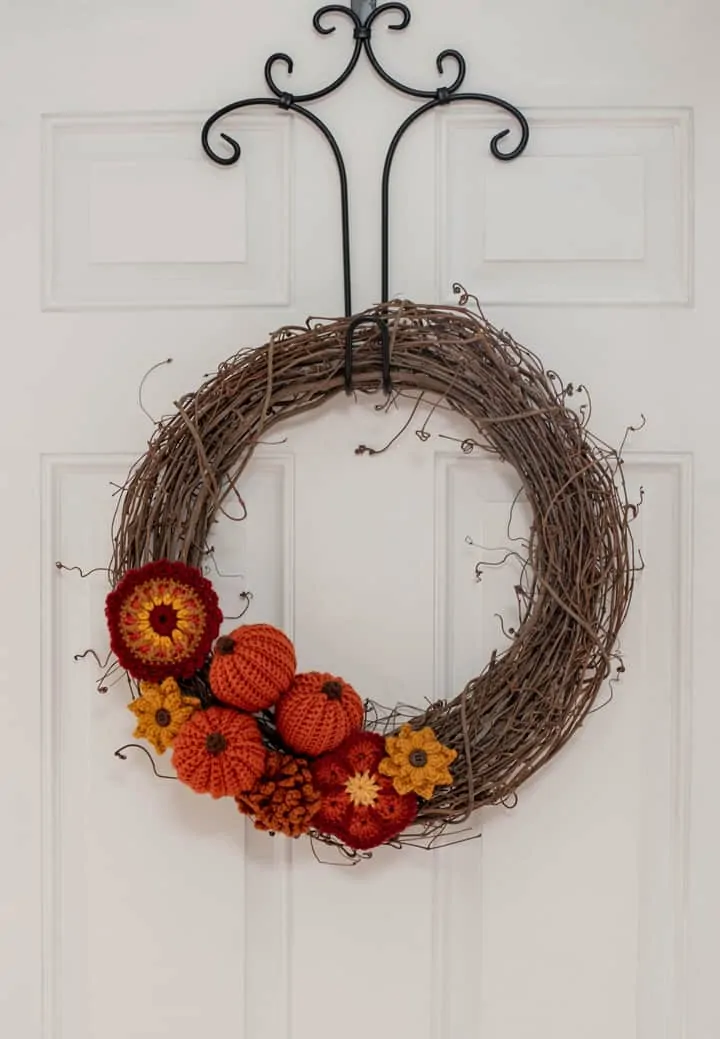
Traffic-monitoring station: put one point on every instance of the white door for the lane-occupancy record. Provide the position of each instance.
(131, 907)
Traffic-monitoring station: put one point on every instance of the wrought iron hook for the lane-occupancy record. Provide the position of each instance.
(369, 319)
(363, 15)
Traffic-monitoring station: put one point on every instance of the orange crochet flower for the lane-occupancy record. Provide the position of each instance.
(417, 762)
(284, 799)
(161, 711)
(219, 752)
(359, 805)
(162, 619)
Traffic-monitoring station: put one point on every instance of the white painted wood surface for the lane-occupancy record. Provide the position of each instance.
(131, 907)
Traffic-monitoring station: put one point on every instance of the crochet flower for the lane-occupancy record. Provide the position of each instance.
(219, 752)
(359, 805)
(284, 799)
(417, 762)
(161, 710)
(163, 619)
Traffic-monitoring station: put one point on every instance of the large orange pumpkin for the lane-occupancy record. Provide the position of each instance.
(317, 713)
(252, 666)
(219, 752)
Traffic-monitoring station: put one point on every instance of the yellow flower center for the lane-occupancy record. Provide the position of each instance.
(362, 789)
(163, 621)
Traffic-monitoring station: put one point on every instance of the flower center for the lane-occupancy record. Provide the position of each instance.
(163, 718)
(215, 743)
(362, 789)
(418, 758)
(163, 619)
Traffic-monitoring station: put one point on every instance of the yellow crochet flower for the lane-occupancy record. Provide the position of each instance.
(161, 711)
(417, 762)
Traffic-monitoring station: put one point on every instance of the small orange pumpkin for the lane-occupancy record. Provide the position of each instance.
(252, 666)
(317, 713)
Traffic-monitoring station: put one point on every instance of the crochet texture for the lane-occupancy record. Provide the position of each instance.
(219, 752)
(252, 666)
(317, 713)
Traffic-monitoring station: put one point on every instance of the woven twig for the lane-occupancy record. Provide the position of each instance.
(576, 587)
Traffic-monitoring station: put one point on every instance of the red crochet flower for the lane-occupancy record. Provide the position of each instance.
(163, 619)
(359, 806)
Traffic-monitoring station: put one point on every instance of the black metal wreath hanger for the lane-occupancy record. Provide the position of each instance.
(363, 15)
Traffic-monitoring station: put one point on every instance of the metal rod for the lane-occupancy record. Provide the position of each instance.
(400, 133)
(229, 160)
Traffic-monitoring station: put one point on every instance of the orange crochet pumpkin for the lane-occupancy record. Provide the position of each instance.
(252, 666)
(317, 713)
(219, 752)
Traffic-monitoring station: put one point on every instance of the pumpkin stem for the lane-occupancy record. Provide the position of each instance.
(225, 645)
(215, 743)
(333, 690)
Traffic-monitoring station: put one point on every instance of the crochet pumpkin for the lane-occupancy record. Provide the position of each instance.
(252, 666)
(219, 752)
(317, 713)
(284, 799)
(360, 806)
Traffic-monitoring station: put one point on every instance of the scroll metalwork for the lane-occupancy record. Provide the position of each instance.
(432, 98)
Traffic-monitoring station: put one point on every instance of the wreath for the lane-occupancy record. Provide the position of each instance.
(304, 753)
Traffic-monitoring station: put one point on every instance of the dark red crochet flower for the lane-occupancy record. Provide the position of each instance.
(163, 619)
(359, 806)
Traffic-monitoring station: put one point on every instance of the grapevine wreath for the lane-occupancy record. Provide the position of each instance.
(305, 753)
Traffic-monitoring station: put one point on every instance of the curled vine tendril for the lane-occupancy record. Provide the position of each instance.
(120, 753)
